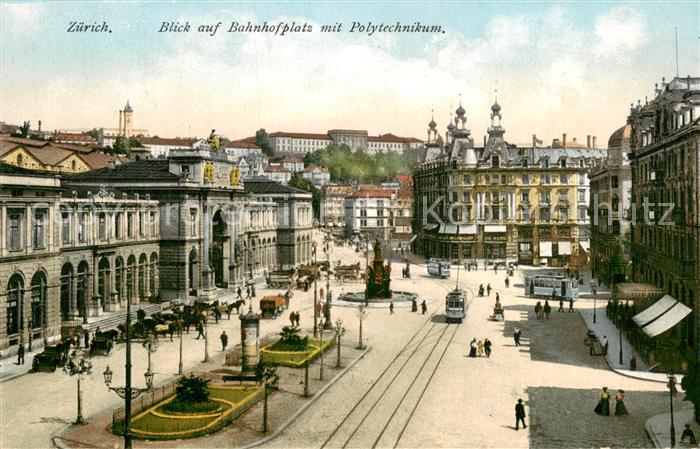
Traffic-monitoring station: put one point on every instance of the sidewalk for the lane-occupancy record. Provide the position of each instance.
(604, 327)
(659, 427)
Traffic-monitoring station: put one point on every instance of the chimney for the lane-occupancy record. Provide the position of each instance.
(588, 141)
(594, 144)
(555, 143)
(39, 130)
(563, 140)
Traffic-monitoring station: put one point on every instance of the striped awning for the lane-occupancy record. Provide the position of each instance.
(662, 316)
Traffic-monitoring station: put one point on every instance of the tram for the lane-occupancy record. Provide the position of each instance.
(548, 286)
(439, 268)
(456, 306)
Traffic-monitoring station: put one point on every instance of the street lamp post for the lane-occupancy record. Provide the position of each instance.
(78, 365)
(361, 314)
(672, 391)
(339, 332)
(328, 325)
(594, 307)
(620, 333)
(206, 338)
(179, 365)
(313, 247)
(128, 392)
(321, 371)
(151, 346)
(271, 379)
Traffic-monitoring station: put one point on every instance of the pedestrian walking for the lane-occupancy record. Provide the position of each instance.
(481, 289)
(561, 306)
(423, 307)
(603, 407)
(292, 318)
(247, 292)
(538, 310)
(472, 348)
(20, 354)
(507, 282)
(224, 341)
(297, 318)
(547, 308)
(571, 305)
(605, 344)
(620, 408)
(487, 348)
(252, 291)
(488, 289)
(200, 331)
(480, 349)
(520, 414)
(516, 336)
(495, 268)
(238, 291)
(391, 308)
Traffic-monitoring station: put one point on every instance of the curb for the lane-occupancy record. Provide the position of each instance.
(303, 408)
(616, 370)
(651, 435)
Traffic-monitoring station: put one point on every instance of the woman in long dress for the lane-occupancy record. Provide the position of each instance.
(472, 348)
(603, 407)
(480, 349)
(620, 409)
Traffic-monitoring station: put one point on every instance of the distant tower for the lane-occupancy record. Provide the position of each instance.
(125, 121)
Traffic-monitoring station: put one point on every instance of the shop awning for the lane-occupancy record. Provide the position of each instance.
(430, 226)
(564, 248)
(585, 244)
(662, 316)
(492, 229)
(450, 229)
(655, 310)
(469, 229)
(545, 249)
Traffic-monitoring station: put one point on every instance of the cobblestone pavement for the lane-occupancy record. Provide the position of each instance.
(468, 402)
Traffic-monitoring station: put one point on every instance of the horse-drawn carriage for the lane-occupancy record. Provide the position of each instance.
(272, 305)
(347, 272)
(101, 343)
(51, 357)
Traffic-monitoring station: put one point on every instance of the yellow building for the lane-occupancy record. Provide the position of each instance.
(501, 202)
(48, 156)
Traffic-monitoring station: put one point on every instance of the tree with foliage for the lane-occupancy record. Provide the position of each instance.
(24, 129)
(192, 389)
(299, 182)
(94, 133)
(290, 339)
(262, 141)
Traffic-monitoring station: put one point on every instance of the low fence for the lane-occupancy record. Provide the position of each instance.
(153, 396)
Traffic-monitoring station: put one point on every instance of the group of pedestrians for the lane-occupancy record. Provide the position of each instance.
(294, 318)
(543, 312)
(488, 289)
(603, 407)
(479, 348)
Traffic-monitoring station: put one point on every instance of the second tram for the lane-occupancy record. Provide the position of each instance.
(547, 286)
(456, 306)
(439, 268)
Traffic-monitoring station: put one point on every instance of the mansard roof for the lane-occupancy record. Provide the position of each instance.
(145, 170)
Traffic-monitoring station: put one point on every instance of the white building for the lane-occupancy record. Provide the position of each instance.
(243, 147)
(298, 142)
(369, 211)
(357, 140)
(160, 147)
(386, 143)
(277, 173)
(319, 176)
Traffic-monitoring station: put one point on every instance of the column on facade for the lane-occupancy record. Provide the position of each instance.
(206, 242)
(112, 290)
(147, 278)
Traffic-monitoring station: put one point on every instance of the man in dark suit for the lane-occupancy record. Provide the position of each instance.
(520, 414)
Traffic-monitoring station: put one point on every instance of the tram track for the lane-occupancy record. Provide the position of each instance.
(369, 403)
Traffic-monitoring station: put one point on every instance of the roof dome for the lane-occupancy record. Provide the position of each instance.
(620, 137)
(460, 110)
(496, 108)
(127, 108)
(450, 127)
(432, 124)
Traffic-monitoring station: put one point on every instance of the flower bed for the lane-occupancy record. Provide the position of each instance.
(277, 353)
(159, 423)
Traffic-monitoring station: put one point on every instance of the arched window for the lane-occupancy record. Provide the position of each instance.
(119, 278)
(67, 291)
(38, 315)
(152, 273)
(15, 291)
(103, 288)
(81, 288)
(130, 268)
(143, 261)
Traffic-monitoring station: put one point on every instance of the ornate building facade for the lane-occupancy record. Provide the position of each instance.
(665, 161)
(501, 201)
(611, 197)
(177, 229)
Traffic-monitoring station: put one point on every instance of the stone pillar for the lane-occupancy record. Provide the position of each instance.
(73, 311)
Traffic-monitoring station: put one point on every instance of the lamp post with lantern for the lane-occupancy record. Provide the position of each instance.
(128, 392)
(672, 391)
(327, 249)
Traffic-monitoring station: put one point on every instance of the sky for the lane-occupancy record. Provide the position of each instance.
(555, 67)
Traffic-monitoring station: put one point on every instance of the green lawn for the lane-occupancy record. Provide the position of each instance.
(160, 424)
(273, 355)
